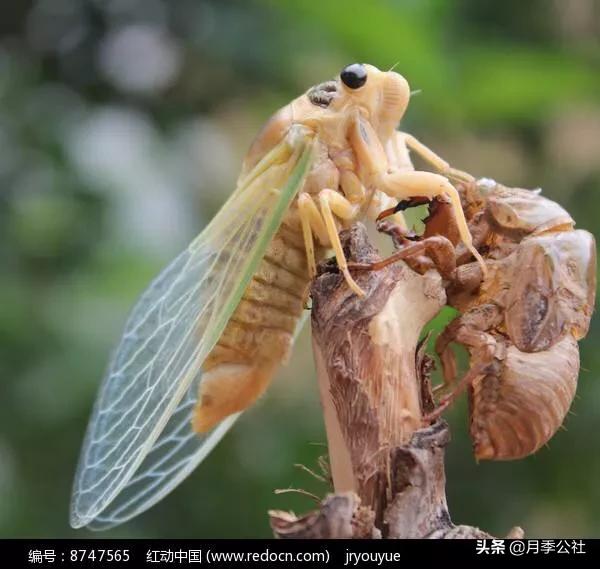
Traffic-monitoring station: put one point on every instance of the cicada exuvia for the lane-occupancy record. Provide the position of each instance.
(520, 321)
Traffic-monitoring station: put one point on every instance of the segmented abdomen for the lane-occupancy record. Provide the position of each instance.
(263, 324)
(517, 411)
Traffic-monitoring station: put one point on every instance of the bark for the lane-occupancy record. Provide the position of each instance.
(387, 468)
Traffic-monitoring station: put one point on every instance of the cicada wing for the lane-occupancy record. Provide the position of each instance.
(173, 327)
(174, 455)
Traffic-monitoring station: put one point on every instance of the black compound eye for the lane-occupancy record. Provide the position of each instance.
(354, 76)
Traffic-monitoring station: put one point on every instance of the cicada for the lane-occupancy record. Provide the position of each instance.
(520, 322)
(205, 338)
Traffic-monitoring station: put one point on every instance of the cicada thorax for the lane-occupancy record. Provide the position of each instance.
(271, 134)
(517, 409)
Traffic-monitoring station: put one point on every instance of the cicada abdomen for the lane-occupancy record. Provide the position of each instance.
(517, 410)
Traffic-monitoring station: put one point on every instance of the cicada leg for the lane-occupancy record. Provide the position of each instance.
(400, 236)
(470, 330)
(438, 249)
(435, 160)
(383, 206)
(405, 184)
(481, 367)
(322, 223)
(403, 206)
(312, 222)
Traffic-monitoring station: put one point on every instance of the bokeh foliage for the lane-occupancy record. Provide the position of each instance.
(122, 125)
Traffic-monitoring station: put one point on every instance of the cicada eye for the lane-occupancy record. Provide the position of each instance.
(354, 76)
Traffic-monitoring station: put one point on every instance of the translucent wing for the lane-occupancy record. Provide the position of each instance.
(175, 454)
(139, 441)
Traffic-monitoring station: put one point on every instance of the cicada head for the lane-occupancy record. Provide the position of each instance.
(516, 411)
(380, 96)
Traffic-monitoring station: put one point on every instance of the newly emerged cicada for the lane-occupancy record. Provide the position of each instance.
(204, 340)
(520, 322)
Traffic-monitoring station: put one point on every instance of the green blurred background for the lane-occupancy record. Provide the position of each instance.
(122, 127)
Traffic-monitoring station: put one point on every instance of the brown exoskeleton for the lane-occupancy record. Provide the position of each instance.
(520, 322)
